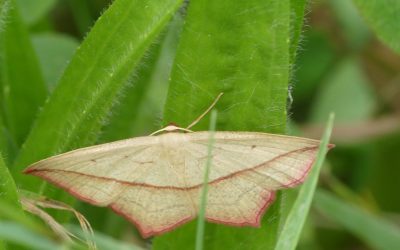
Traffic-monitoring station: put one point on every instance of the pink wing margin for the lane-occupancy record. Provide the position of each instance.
(258, 195)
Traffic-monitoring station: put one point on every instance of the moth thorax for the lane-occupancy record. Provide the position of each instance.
(173, 139)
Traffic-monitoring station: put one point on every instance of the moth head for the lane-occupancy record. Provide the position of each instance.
(171, 128)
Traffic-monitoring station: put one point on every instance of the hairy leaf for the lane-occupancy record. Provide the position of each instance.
(241, 49)
(101, 66)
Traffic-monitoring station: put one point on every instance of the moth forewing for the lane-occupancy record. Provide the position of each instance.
(155, 181)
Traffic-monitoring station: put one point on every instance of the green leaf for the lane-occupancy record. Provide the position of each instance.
(8, 189)
(316, 48)
(138, 110)
(125, 114)
(5, 138)
(19, 235)
(104, 241)
(376, 231)
(297, 8)
(240, 48)
(99, 70)
(351, 24)
(82, 16)
(212, 58)
(54, 51)
(381, 173)
(8, 192)
(10, 208)
(143, 100)
(13, 212)
(20, 71)
(337, 95)
(290, 233)
(384, 19)
(4, 8)
(5, 141)
(32, 11)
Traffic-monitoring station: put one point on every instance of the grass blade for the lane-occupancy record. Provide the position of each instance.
(377, 232)
(19, 70)
(19, 235)
(104, 241)
(11, 212)
(203, 202)
(8, 148)
(8, 189)
(147, 94)
(8, 192)
(289, 236)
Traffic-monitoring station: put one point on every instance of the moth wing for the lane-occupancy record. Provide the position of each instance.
(157, 185)
(246, 170)
(117, 175)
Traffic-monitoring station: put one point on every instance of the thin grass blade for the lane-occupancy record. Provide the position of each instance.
(289, 236)
(20, 235)
(377, 232)
(104, 241)
(203, 203)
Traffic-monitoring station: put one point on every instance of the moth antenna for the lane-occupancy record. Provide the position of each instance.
(171, 128)
(205, 112)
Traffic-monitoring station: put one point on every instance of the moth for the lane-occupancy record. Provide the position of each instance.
(155, 181)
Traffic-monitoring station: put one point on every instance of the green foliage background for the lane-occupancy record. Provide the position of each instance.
(75, 73)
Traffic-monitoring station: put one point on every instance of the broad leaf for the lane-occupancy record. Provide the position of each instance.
(297, 9)
(241, 49)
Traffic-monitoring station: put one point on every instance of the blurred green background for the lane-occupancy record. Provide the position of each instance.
(341, 66)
